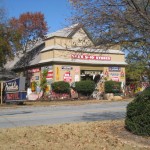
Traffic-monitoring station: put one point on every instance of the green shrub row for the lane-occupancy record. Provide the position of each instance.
(83, 87)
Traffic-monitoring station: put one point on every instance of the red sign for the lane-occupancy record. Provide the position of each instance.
(115, 79)
(12, 96)
(90, 57)
(34, 70)
(67, 77)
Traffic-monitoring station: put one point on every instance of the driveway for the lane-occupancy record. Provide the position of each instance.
(46, 115)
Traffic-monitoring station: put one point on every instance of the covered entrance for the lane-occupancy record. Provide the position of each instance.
(90, 72)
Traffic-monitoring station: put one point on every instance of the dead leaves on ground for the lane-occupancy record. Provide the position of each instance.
(94, 135)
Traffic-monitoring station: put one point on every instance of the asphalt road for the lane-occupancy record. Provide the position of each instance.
(33, 116)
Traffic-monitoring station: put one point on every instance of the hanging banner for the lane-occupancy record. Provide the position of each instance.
(57, 73)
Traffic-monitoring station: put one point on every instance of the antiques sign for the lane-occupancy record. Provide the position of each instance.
(15, 89)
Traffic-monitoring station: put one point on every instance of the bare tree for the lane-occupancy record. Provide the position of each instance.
(125, 22)
(122, 22)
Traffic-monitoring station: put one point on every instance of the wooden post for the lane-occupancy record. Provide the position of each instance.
(1, 92)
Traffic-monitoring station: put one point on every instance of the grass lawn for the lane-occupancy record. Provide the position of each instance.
(102, 135)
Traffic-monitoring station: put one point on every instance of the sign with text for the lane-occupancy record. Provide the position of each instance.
(15, 89)
(15, 96)
(115, 79)
(66, 67)
(67, 77)
(113, 69)
(90, 57)
(17, 84)
(34, 70)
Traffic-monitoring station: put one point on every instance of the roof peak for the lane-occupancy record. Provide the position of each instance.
(65, 32)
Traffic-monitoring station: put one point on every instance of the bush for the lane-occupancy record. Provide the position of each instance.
(61, 87)
(85, 87)
(112, 87)
(138, 115)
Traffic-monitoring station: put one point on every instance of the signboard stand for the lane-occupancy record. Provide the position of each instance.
(15, 90)
(1, 92)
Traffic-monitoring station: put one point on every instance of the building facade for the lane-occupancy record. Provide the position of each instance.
(70, 55)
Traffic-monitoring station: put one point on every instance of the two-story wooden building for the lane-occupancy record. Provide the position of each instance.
(70, 55)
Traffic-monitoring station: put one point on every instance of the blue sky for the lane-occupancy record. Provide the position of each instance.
(56, 12)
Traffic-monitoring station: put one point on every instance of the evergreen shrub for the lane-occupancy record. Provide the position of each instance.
(61, 87)
(138, 114)
(85, 87)
(112, 87)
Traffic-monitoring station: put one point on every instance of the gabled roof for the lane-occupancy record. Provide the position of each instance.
(66, 32)
(32, 58)
(69, 32)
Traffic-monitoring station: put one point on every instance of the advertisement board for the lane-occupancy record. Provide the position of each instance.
(15, 89)
(114, 69)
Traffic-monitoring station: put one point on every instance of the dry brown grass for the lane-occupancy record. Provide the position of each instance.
(105, 135)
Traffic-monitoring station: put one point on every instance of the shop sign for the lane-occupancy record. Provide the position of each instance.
(66, 67)
(16, 96)
(90, 57)
(67, 77)
(115, 79)
(34, 70)
(11, 96)
(12, 85)
(15, 89)
(117, 69)
(17, 84)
